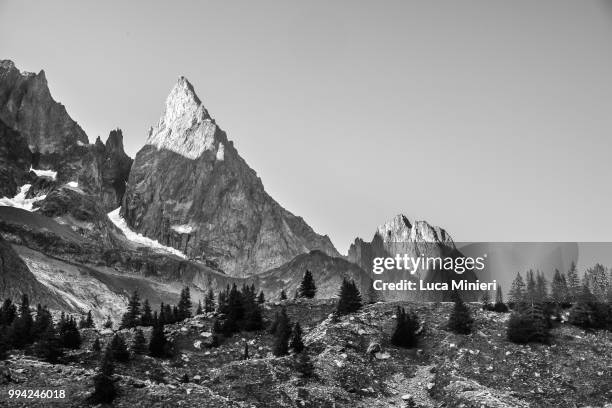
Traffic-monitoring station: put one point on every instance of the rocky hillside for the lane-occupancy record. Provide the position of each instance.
(400, 236)
(190, 189)
(354, 366)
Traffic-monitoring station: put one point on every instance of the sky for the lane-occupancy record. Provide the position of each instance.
(488, 118)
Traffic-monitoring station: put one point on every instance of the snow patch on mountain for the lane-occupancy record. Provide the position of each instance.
(20, 200)
(45, 173)
(221, 152)
(182, 229)
(139, 238)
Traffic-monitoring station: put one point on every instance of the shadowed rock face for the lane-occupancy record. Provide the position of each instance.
(15, 160)
(399, 236)
(190, 189)
(26, 105)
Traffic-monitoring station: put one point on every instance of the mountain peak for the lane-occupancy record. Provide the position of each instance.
(185, 127)
(400, 229)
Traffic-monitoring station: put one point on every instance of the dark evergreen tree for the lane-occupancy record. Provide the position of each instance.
(96, 347)
(573, 283)
(500, 306)
(146, 319)
(304, 365)
(406, 329)
(283, 295)
(8, 313)
(541, 288)
(209, 302)
(158, 342)
(104, 387)
(296, 344)
(559, 292)
(261, 299)
(119, 349)
(87, 321)
(517, 291)
(139, 345)
(460, 321)
(184, 305)
(199, 309)
(307, 288)
(4, 343)
(49, 347)
(69, 333)
(41, 323)
(282, 334)
(245, 353)
(20, 332)
(108, 324)
(350, 298)
(529, 325)
(131, 318)
(485, 299)
(531, 295)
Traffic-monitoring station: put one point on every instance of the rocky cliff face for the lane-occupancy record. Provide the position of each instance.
(190, 189)
(15, 160)
(400, 236)
(26, 105)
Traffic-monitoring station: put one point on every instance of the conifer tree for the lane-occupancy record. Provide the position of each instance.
(96, 347)
(209, 302)
(559, 291)
(350, 298)
(307, 288)
(500, 306)
(283, 295)
(296, 344)
(486, 300)
(261, 299)
(158, 342)
(4, 344)
(184, 305)
(8, 313)
(245, 353)
(517, 291)
(49, 347)
(460, 321)
(20, 332)
(199, 309)
(108, 324)
(406, 329)
(541, 288)
(104, 387)
(119, 349)
(42, 321)
(87, 322)
(573, 283)
(529, 325)
(146, 319)
(69, 333)
(139, 345)
(531, 287)
(282, 334)
(304, 365)
(132, 317)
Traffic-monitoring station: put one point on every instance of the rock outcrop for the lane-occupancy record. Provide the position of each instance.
(190, 189)
(400, 236)
(15, 160)
(114, 165)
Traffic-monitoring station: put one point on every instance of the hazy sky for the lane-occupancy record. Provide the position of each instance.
(491, 119)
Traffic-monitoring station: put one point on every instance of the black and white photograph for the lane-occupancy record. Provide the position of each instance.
(306, 204)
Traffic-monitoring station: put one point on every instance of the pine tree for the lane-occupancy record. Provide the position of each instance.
(282, 334)
(87, 322)
(119, 349)
(132, 317)
(559, 290)
(261, 299)
(104, 387)
(307, 288)
(158, 342)
(573, 283)
(146, 319)
(49, 347)
(500, 306)
(184, 305)
(41, 323)
(209, 302)
(8, 313)
(69, 333)
(460, 321)
(283, 295)
(304, 365)
(96, 347)
(406, 329)
(350, 298)
(597, 281)
(486, 300)
(20, 332)
(541, 288)
(531, 295)
(529, 325)
(139, 345)
(517, 291)
(296, 344)
(199, 309)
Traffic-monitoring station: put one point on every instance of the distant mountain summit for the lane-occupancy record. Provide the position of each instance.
(190, 189)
